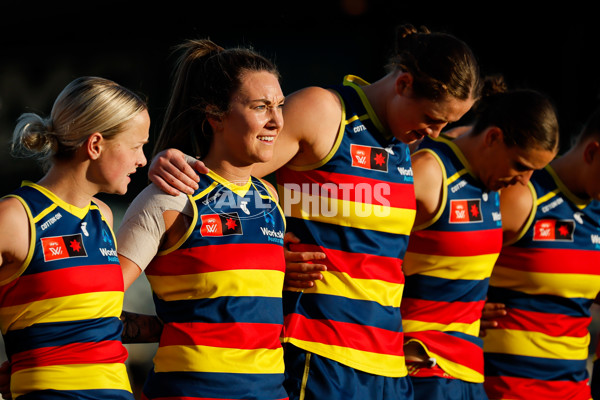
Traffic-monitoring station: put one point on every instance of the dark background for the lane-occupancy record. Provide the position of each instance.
(44, 46)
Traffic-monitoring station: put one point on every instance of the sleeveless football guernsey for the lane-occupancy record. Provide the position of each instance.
(358, 207)
(548, 279)
(60, 314)
(447, 266)
(218, 292)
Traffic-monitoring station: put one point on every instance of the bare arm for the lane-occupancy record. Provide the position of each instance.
(516, 205)
(14, 236)
(428, 186)
(140, 328)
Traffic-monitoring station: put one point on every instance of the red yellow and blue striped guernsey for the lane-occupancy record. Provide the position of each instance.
(548, 279)
(218, 292)
(60, 313)
(448, 264)
(358, 207)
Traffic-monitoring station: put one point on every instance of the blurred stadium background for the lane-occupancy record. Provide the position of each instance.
(46, 45)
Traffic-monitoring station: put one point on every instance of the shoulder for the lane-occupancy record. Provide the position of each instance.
(271, 189)
(516, 206)
(14, 235)
(312, 104)
(427, 166)
(428, 181)
(12, 211)
(104, 210)
(152, 201)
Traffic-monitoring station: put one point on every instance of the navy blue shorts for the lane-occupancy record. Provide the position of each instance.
(438, 388)
(309, 376)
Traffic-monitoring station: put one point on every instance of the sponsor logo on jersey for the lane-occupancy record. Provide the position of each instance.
(554, 230)
(60, 247)
(50, 221)
(465, 211)
(221, 224)
(373, 158)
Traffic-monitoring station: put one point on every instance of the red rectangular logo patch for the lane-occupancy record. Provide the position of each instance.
(465, 211)
(374, 158)
(60, 247)
(554, 230)
(220, 224)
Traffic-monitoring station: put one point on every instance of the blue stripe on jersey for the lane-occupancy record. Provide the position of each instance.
(540, 303)
(497, 364)
(439, 289)
(469, 338)
(211, 384)
(62, 333)
(342, 309)
(348, 239)
(220, 310)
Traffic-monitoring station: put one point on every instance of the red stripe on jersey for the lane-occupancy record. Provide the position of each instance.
(440, 311)
(63, 282)
(358, 265)
(74, 353)
(223, 257)
(451, 243)
(351, 188)
(549, 324)
(334, 333)
(506, 387)
(231, 335)
(451, 347)
(550, 260)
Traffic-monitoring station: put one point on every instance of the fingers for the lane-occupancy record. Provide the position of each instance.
(200, 167)
(301, 280)
(172, 174)
(493, 310)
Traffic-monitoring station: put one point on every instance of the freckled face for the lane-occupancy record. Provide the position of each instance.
(124, 154)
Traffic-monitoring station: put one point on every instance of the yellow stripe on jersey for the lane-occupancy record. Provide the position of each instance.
(349, 213)
(536, 344)
(219, 359)
(61, 309)
(71, 377)
(341, 284)
(563, 285)
(448, 267)
(410, 325)
(387, 365)
(247, 282)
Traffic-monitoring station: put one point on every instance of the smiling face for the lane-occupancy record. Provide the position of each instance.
(123, 154)
(246, 133)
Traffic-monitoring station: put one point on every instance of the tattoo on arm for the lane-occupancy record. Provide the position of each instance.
(140, 328)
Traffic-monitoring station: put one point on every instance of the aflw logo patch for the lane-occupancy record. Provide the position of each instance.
(465, 211)
(59, 247)
(221, 225)
(367, 157)
(554, 230)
